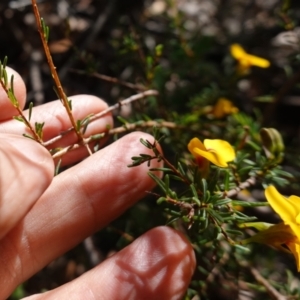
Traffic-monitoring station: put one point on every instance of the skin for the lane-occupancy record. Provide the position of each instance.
(42, 217)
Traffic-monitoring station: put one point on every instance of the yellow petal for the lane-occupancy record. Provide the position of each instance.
(275, 235)
(237, 51)
(247, 60)
(195, 143)
(212, 157)
(218, 152)
(285, 208)
(223, 107)
(221, 150)
(296, 229)
(257, 61)
(295, 249)
(194, 146)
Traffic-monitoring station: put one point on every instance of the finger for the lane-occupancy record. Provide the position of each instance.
(56, 121)
(7, 110)
(158, 265)
(79, 202)
(25, 173)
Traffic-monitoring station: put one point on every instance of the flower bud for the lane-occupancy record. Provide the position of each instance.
(272, 143)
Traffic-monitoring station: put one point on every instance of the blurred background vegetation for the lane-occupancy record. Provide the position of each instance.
(114, 49)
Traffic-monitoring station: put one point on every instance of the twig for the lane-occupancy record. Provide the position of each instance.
(130, 85)
(118, 130)
(264, 282)
(106, 111)
(244, 185)
(271, 291)
(143, 124)
(65, 150)
(17, 107)
(60, 91)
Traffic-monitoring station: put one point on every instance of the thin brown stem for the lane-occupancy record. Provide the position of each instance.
(264, 282)
(20, 112)
(271, 291)
(55, 77)
(118, 130)
(244, 185)
(106, 111)
(137, 87)
(143, 124)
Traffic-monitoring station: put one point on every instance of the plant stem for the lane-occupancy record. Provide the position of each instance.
(55, 77)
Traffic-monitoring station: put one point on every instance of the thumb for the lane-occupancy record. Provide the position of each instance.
(26, 170)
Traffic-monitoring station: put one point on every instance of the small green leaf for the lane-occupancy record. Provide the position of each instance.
(176, 178)
(226, 180)
(97, 136)
(4, 62)
(146, 143)
(194, 191)
(5, 77)
(85, 122)
(70, 104)
(19, 118)
(78, 125)
(215, 215)
(204, 185)
(253, 145)
(161, 200)
(122, 120)
(12, 98)
(39, 129)
(244, 170)
(283, 173)
(45, 29)
(57, 168)
(28, 136)
(161, 169)
(222, 202)
(242, 248)
(249, 204)
(180, 169)
(158, 181)
(12, 83)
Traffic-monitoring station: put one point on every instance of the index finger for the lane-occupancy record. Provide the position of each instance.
(7, 110)
(56, 121)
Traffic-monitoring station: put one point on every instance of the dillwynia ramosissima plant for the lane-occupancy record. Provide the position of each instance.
(205, 191)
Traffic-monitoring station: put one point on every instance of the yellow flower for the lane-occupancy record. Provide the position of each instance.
(283, 234)
(218, 152)
(245, 60)
(287, 208)
(223, 107)
(277, 236)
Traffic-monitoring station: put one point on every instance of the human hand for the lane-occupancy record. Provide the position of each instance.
(42, 217)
